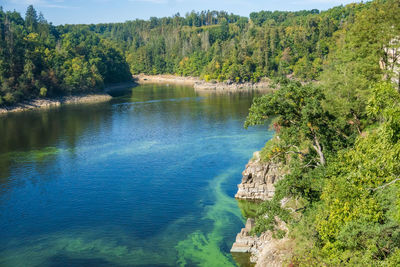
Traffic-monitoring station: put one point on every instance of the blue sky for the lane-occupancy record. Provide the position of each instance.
(95, 11)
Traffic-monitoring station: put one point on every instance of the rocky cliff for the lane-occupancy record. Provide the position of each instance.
(258, 183)
(258, 180)
(265, 250)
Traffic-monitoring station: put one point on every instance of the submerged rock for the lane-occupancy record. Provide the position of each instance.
(259, 179)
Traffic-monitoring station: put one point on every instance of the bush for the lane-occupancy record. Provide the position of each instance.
(43, 91)
(9, 98)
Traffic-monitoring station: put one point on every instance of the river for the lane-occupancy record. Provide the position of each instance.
(146, 179)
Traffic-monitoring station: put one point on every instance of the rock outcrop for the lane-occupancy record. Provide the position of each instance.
(165, 79)
(202, 86)
(390, 63)
(245, 243)
(273, 252)
(258, 180)
(265, 249)
(232, 86)
(258, 183)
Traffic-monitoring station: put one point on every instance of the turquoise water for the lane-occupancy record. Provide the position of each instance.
(146, 179)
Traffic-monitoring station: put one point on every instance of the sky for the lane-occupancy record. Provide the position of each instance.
(97, 11)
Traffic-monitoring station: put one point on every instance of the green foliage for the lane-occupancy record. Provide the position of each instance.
(43, 91)
(350, 206)
(9, 98)
(350, 212)
(356, 59)
(38, 59)
(266, 214)
(279, 234)
(300, 120)
(358, 211)
(226, 47)
(248, 208)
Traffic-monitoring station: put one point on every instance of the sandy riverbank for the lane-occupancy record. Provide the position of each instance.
(200, 85)
(165, 79)
(43, 103)
(233, 87)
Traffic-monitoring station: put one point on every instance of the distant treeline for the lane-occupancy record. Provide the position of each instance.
(222, 46)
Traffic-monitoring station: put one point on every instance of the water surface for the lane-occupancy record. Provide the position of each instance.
(146, 179)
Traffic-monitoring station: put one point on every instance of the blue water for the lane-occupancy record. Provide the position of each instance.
(146, 179)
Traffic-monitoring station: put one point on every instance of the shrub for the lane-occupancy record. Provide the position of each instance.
(43, 91)
(9, 98)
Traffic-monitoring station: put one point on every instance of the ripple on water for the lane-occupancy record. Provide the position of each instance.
(146, 179)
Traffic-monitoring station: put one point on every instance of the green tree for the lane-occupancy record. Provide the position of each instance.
(31, 19)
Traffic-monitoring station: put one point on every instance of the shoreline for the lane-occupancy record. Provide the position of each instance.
(165, 79)
(50, 102)
(203, 86)
(46, 103)
(119, 86)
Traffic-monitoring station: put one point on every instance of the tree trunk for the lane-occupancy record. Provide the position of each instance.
(318, 149)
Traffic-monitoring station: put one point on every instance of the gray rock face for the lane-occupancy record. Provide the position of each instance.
(258, 183)
(258, 180)
(232, 86)
(244, 241)
(265, 250)
(391, 62)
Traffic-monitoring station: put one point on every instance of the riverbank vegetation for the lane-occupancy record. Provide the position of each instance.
(339, 139)
(38, 59)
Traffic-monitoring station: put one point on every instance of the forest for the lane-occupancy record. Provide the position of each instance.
(38, 59)
(218, 46)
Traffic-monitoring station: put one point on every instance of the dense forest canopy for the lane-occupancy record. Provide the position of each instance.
(39, 59)
(221, 46)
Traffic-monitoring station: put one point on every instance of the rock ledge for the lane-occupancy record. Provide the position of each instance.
(259, 179)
